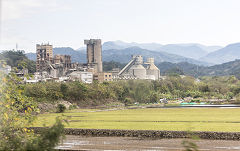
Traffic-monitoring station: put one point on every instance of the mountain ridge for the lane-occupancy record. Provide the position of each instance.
(122, 56)
(194, 51)
(189, 50)
(226, 54)
(225, 69)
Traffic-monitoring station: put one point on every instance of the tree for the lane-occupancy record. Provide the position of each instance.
(18, 59)
(16, 114)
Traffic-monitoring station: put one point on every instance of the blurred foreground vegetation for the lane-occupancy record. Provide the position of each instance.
(17, 112)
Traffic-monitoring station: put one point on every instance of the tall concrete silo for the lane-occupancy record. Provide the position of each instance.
(151, 69)
(137, 69)
(94, 54)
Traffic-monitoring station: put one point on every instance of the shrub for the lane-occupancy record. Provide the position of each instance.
(128, 101)
(196, 101)
(74, 106)
(17, 112)
(61, 108)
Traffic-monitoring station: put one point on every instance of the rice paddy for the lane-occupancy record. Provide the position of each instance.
(177, 119)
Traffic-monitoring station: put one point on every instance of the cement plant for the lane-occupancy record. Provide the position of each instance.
(57, 67)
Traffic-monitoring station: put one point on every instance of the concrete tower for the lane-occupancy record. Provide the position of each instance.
(44, 56)
(152, 70)
(94, 54)
(137, 69)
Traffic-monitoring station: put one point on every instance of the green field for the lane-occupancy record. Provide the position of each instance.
(193, 119)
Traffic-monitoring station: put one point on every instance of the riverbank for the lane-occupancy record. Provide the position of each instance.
(132, 144)
(153, 134)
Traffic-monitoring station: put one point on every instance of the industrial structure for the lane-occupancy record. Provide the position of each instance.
(103, 76)
(94, 54)
(85, 77)
(44, 56)
(152, 70)
(51, 66)
(63, 59)
(60, 67)
(136, 69)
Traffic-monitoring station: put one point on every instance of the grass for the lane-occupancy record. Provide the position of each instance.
(194, 119)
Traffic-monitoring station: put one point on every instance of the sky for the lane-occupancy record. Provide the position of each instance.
(66, 23)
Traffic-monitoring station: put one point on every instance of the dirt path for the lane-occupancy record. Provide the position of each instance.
(134, 144)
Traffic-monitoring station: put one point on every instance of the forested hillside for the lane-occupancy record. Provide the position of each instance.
(226, 54)
(18, 60)
(229, 68)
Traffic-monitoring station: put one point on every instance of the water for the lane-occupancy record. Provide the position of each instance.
(132, 144)
(204, 106)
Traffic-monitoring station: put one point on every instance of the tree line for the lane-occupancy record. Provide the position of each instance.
(18, 60)
(131, 91)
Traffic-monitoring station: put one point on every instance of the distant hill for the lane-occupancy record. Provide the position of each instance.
(188, 50)
(31, 56)
(229, 68)
(16, 59)
(76, 56)
(122, 56)
(191, 50)
(209, 48)
(185, 67)
(122, 45)
(226, 54)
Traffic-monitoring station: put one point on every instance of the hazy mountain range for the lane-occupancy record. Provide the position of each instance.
(122, 55)
(226, 54)
(192, 53)
(208, 54)
(191, 50)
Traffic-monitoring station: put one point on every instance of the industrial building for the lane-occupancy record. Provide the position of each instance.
(63, 59)
(152, 71)
(136, 69)
(85, 77)
(94, 54)
(94, 60)
(60, 66)
(48, 66)
(103, 76)
(44, 56)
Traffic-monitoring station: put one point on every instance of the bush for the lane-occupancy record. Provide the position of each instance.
(74, 106)
(48, 138)
(128, 101)
(18, 112)
(195, 101)
(61, 108)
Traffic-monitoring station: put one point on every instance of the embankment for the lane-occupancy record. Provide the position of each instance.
(153, 134)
